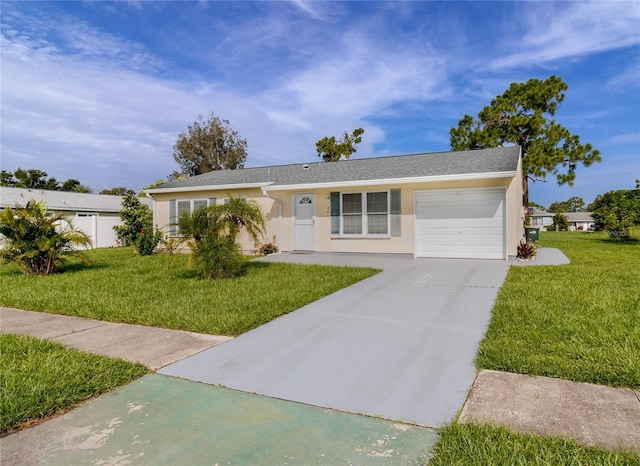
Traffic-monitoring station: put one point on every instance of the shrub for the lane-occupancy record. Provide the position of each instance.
(38, 242)
(617, 212)
(137, 226)
(147, 242)
(526, 250)
(218, 257)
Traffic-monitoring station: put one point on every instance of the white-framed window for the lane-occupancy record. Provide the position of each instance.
(365, 213)
(177, 207)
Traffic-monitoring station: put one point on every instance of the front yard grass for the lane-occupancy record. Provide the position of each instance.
(468, 445)
(39, 378)
(160, 291)
(579, 321)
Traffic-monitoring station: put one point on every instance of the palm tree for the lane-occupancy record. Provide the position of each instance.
(38, 242)
(211, 234)
(239, 214)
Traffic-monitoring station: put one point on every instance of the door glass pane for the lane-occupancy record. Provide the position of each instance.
(304, 208)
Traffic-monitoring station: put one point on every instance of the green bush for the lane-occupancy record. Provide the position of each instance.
(137, 226)
(147, 241)
(218, 257)
(617, 212)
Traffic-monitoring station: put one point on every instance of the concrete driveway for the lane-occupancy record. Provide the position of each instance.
(400, 345)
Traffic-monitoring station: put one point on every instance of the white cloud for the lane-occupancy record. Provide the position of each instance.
(555, 31)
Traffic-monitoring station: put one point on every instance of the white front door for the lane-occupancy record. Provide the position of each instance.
(304, 208)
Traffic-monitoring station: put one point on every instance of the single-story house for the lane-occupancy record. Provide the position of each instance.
(580, 221)
(95, 214)
(465, 204)
(540, 218)
(577, 220)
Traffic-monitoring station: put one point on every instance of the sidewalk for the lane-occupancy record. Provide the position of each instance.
(151, 346)
(593, 415)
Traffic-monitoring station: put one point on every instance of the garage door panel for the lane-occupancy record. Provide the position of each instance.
(460, 223)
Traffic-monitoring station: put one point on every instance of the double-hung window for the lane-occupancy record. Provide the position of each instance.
(369, 213)
(177, 207)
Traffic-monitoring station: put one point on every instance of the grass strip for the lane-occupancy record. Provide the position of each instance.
(39, 378)
(160, 291)
(469, 445)
(579, 321)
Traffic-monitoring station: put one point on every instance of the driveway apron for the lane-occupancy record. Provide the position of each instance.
(400, 345)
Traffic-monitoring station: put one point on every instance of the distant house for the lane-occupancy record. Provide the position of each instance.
(465, 204)
(577, 220)
(540, 218)
(95, 214)
(580, 221)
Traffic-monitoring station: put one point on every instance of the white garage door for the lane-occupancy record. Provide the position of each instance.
(460, 223)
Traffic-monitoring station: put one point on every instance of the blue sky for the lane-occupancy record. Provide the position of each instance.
(99, 91)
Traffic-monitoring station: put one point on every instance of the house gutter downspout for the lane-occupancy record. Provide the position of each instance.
(279, 201)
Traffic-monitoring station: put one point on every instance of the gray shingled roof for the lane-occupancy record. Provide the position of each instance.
(64, 200)
(497, 160)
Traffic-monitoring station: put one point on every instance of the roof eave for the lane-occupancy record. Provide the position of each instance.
(207, 187)
(392, 181)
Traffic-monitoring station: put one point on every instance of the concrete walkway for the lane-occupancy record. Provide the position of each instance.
(151, 346)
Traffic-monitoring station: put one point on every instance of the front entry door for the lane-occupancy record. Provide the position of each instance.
(304, 238)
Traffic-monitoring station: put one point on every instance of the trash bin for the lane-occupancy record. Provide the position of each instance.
(532, 233)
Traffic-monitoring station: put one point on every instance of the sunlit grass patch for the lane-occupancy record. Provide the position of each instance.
(39, 378)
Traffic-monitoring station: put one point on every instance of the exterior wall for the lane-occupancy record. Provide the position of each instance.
(278, 211)
(269, 208)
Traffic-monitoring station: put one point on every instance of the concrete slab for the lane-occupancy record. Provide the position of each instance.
(544, 256)
(153, 347)
(160, 420)
(400, 345)
(593, 415)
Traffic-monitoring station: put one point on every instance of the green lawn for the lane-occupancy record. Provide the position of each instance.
(469, 445)
(40, 378)
(160, 291)
(578, 322)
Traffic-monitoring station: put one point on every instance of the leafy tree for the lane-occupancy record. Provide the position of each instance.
(37, 242)
(38, 179)
(560, 222)
(617, 212)
(211, 234)
(331, 150)
(523, 116)
(119, 191)
(574, 204)
(209, 145)
(137, 228)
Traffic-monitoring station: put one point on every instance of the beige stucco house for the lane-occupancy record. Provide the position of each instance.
(465, 204)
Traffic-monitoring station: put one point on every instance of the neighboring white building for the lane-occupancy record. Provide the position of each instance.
(577, 220)
(95, 214)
